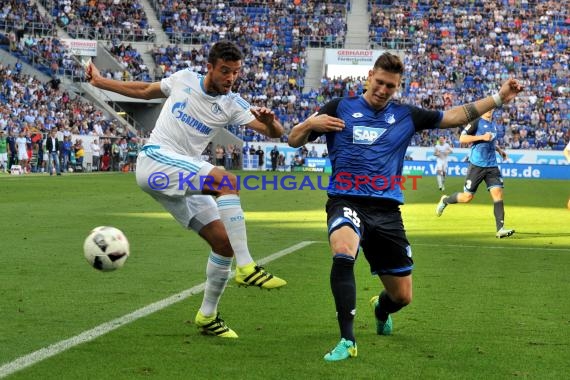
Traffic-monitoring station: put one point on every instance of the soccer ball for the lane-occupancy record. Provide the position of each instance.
(106, 248)
(16, 170)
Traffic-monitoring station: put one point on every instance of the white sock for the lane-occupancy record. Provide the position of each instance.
(232, 216)
(439, 181)
(217, 274)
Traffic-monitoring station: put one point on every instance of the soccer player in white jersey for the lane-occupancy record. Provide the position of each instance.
(441, 152)
(171, 170)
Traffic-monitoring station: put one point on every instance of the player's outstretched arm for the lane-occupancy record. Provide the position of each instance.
(466, 113)
(266, 123)
(315, 123)
(133, 89)
(468, 139)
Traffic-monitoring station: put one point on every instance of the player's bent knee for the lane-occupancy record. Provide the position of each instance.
(402, 299)
(405, 301)
(228, 185)
(215, 234)
(223, 247)
(342, 248)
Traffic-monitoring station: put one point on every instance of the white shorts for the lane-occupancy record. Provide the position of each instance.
(173, 180)
(441, 165)
(3, 157)
(23, 155)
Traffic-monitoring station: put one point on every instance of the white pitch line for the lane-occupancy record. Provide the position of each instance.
(89, 335)
(493, 247)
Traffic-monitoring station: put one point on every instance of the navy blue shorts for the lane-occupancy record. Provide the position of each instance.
(378, 222)
(477, 174)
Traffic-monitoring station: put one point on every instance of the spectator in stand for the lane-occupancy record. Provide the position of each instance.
(228, 155)
(53, 149)
(115, 155)
(21, 147)
(124, 150)
(79, 153)
(260, 157)
(66, 149)
(236, 157)
(133, 152)
(219, 155)
(3, 151)
(281, 161)
(274, 155)
(12, 151)
(96, 154)
(313, 152)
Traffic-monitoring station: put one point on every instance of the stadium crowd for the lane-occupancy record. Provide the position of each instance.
(102, 20)
(458, 52)
(453, 54)
(263, 23)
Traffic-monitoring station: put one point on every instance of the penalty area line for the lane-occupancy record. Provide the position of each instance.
(89, 335)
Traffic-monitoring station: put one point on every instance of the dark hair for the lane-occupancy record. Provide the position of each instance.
(390, 63)
(226, 51)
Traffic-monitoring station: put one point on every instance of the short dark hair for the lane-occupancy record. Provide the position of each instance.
(226, 51)
(389, 62)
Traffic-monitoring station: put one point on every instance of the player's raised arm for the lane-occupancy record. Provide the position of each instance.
(466, 113)
(133, 89)
(315, 123)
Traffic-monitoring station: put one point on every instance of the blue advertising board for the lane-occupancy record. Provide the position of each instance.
(508, 170)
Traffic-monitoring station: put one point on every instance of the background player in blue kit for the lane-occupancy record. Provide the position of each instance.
(483, 166)
(367, 137)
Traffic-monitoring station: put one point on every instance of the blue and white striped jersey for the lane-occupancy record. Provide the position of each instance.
(190, 118)
(373, 144)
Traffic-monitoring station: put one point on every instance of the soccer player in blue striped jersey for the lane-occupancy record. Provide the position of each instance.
(483, 166)
(367, 138)
(170, 167)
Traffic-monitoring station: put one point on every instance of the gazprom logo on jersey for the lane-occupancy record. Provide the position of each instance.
(178, 112)
(366, 135)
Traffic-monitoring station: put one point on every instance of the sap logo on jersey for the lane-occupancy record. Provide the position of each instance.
(366, 135)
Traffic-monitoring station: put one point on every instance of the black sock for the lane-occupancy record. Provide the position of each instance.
(386, 306)
(499, 209)
(343, 286)
(451, 199)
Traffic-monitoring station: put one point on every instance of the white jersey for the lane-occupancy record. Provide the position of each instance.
(442, 151)
(190, 118)
(21, 145)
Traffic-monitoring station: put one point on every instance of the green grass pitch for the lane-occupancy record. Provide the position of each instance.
(483, 308)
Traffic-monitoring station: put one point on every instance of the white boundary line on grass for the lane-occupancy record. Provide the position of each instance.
(492, 247)
(86, 336)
